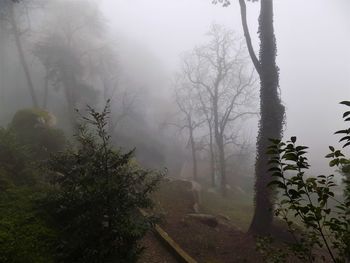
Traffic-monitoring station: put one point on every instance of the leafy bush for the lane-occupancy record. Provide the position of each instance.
(24, 234)
(29, 140)
(35, 129)
(16, 166)
(308, 199)
(98, 193)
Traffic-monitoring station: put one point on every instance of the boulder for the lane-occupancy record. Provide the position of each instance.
(206, 219)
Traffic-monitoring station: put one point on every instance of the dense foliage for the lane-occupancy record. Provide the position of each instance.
(98, 194)
(15, 162)
(35, 128)
(24, 234)
(309, 200)
(77, 205)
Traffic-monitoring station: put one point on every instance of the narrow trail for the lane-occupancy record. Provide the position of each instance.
(155, 252)
(161, 248)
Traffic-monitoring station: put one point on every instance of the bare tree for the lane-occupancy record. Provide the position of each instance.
(205, 108)
(186, 100)
(225, 85)
(115, 88)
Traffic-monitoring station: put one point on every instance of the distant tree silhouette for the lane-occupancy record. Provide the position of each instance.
(9, 15)
(224, 86)
(66, 51)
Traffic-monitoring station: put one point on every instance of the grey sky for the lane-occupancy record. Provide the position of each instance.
(313, 38)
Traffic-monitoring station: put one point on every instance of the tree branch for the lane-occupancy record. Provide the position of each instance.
(252, 54)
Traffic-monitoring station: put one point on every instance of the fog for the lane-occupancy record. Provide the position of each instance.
(313, 53)
(130, 124)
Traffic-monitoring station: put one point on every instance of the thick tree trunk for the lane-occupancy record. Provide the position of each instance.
(22, 59)
(272, 118)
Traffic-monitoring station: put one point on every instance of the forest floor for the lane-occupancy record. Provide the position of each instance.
(155, 251)
(224, 243)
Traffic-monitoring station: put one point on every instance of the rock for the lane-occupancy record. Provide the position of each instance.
(212, 190)
(223, 217)
(240, 190)
(205, 219)
(196, 208)
(189, 189)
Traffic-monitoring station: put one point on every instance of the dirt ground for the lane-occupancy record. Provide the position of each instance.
(222, 244)
(225, 243)
(154, 251)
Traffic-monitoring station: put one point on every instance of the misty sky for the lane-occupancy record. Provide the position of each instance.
(313, 38)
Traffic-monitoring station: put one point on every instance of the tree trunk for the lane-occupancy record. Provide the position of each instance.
(70, 84)
(271, 122)
(46, 90)
(2, 66)
(219, 142)
(212, 156)
(222, 164)
(193, 151)
(22, 59)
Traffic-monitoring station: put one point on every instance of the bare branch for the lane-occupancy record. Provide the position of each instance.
(251, 51)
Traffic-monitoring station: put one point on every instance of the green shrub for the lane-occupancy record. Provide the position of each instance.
(16, 164)
(35, 129)
(308, 199)
(98, 193)
(24, 234)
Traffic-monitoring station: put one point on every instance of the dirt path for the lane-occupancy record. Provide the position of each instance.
(154, 251)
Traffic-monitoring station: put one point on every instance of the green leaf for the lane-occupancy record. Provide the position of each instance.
(344, 138)
(331, 148)
(290, 157)
(311, 180)
(330, 155)
(300, 153)
(343, 131)
(290, 168)
(272, 169)
(293, 193)
(343, 161)
(347, 103)
(284, 201)
(347, 113)
(293, 139)
(346, 144)
(333, 162)
(273, 161)
(278, 174)
(290, 147)
(300, 148)
(337, 153)
(304, 209)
